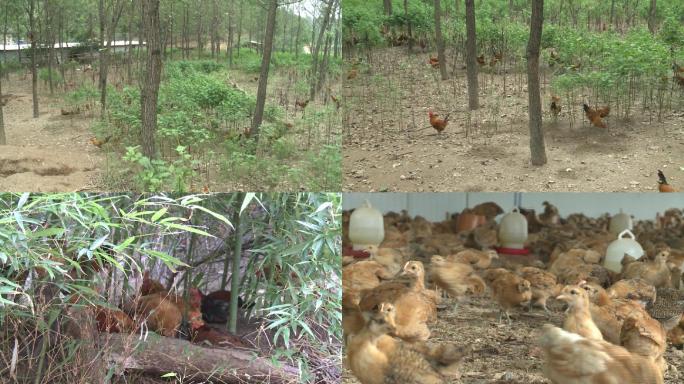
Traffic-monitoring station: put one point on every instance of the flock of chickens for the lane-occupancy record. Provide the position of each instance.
(615, 329)
(172, 315)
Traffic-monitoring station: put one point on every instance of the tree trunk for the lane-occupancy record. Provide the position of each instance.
(150, 91)
(440, 41)
(408, 25)
(108, 33)
(388, 7)
(3, 138)
(237, 253)
(34, 71)
(265, 63)
(299, 29)
(129, 54)
(537, 150)
(317, 48)
(471, 56)
(239, 30)
(51, 41)
(160, 355)
(652, 17)
(612, 11)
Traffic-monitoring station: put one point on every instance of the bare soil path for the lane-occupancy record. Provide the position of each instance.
(390, 146)
(51, 153)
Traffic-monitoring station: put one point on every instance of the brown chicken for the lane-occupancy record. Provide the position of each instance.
(457, 279)
(634, 289)
(578, 317)
(663, 186)
(555, 106)
(573, 359)
(361, 276)
(510, 290)
(414, 307)
(352, 74)
(336, 101)
(377, 358)
(481, 59)
(150, 286)
(489, 210)
(438, 124)
(475, 258)
(542, 283)
(550, 216)
(301, 104)
(99, 143)
(433, 61)
(113, 320)
(654, 272)
(595, 116)
(645, 336)
(162, 315)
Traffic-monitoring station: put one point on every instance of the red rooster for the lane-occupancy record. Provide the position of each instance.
(438, 124)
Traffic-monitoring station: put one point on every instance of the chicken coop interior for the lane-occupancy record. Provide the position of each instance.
(513, 288)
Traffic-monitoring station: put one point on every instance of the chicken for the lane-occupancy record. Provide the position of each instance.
(654, 272)
(635, 289)
(475, 258)
(678, 74)
(162, 315)
(578, 319)
(542, 283)
(113, 320)
(99, 143)
(550, 216)
(555, 106)
(335, 100)
(360, 276)
(675, 333)
(663, 186)
(377, 358)
(573, 359)
(645, 336)
(594, 116)
(216, 306)
(150, 286)
(301, 104)
(438, 124)
(489, 210)
(352, 74)
(455, 278)
(481, 59)
(214, 337)
(414, 309)
(433, 61)
(510, 290)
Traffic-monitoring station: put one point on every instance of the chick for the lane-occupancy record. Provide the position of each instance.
(456, 279)
(476, 258)
(645, 336)
(543, 284)
(360, 276)
(377, 358)
(635, 289)
(578, 318)
(414, 308)
(510, 290)
(655, 272)
(573, 359)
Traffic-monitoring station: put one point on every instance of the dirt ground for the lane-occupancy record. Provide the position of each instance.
(500, 353)
(390, 146)
(51, 153)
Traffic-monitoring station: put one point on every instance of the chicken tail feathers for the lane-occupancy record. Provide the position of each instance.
(661, 177)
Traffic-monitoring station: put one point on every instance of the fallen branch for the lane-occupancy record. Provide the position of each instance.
(160, 355)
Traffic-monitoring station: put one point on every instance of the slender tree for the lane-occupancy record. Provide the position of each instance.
(150, 91)
(440, 41)
(3, 138)
(265, 65)
(537, 149)
(652, 17)
(471, 56)
(317, 47)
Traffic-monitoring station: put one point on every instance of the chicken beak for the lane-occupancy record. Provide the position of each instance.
(561, 297)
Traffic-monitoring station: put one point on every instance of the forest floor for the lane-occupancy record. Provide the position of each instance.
(51, 153)
(502, 353)
(389, 145)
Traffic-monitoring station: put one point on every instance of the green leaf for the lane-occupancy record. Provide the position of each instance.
(187, 228)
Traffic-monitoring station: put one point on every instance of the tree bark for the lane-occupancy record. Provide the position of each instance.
(440, 41)
(150, 92)
(3, 138)
(537, 150)
(652, 17)
(317, 48)
(160, 355)
(265, 64)
(471, 56)
(388, 7)
(34, 71)
(235, 273)
(107, 32)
